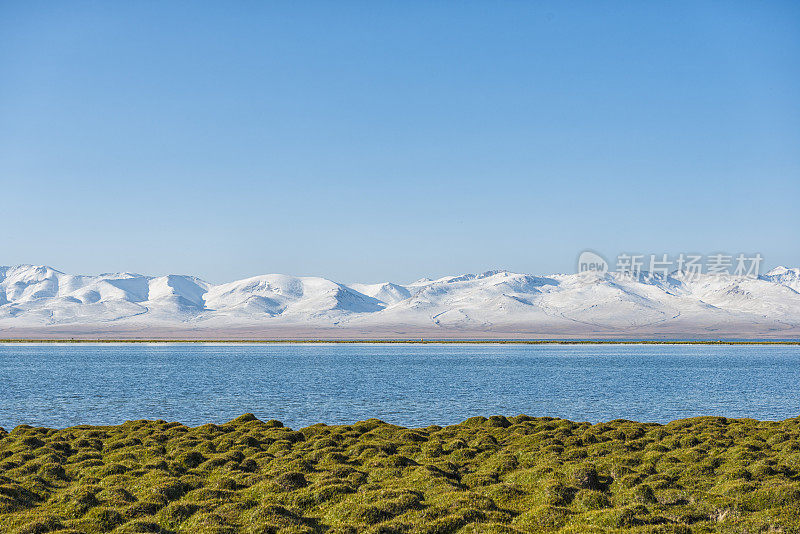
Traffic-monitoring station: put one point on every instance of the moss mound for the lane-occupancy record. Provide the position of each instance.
(497, 474)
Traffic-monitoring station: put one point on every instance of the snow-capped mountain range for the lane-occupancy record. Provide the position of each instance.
(39, 301)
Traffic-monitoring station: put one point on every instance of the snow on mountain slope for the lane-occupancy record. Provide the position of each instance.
(756, 297)
(472, 300)
(610, 301)
(388, 293)
(787, 277)
(42, 294)
(181, 290)
(39, 296)
(288, 296)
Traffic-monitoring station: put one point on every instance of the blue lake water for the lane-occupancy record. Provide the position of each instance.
(410, 385)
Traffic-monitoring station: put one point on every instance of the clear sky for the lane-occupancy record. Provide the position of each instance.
(374, 140)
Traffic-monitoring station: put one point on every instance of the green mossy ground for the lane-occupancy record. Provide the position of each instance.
(493, 475)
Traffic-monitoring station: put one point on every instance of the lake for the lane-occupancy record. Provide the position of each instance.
(59, 385)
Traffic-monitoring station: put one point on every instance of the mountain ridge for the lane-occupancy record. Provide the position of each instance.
(39, 297)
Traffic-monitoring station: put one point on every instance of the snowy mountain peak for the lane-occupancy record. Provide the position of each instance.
(489, 303)
(779, 270)
(784, 276)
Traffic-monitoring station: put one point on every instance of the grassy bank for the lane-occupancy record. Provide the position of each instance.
(484, 475)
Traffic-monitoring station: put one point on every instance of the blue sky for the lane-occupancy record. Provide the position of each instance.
(393, 140)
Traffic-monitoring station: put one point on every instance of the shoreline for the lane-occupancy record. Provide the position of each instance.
(412, 341)
(472, 421)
